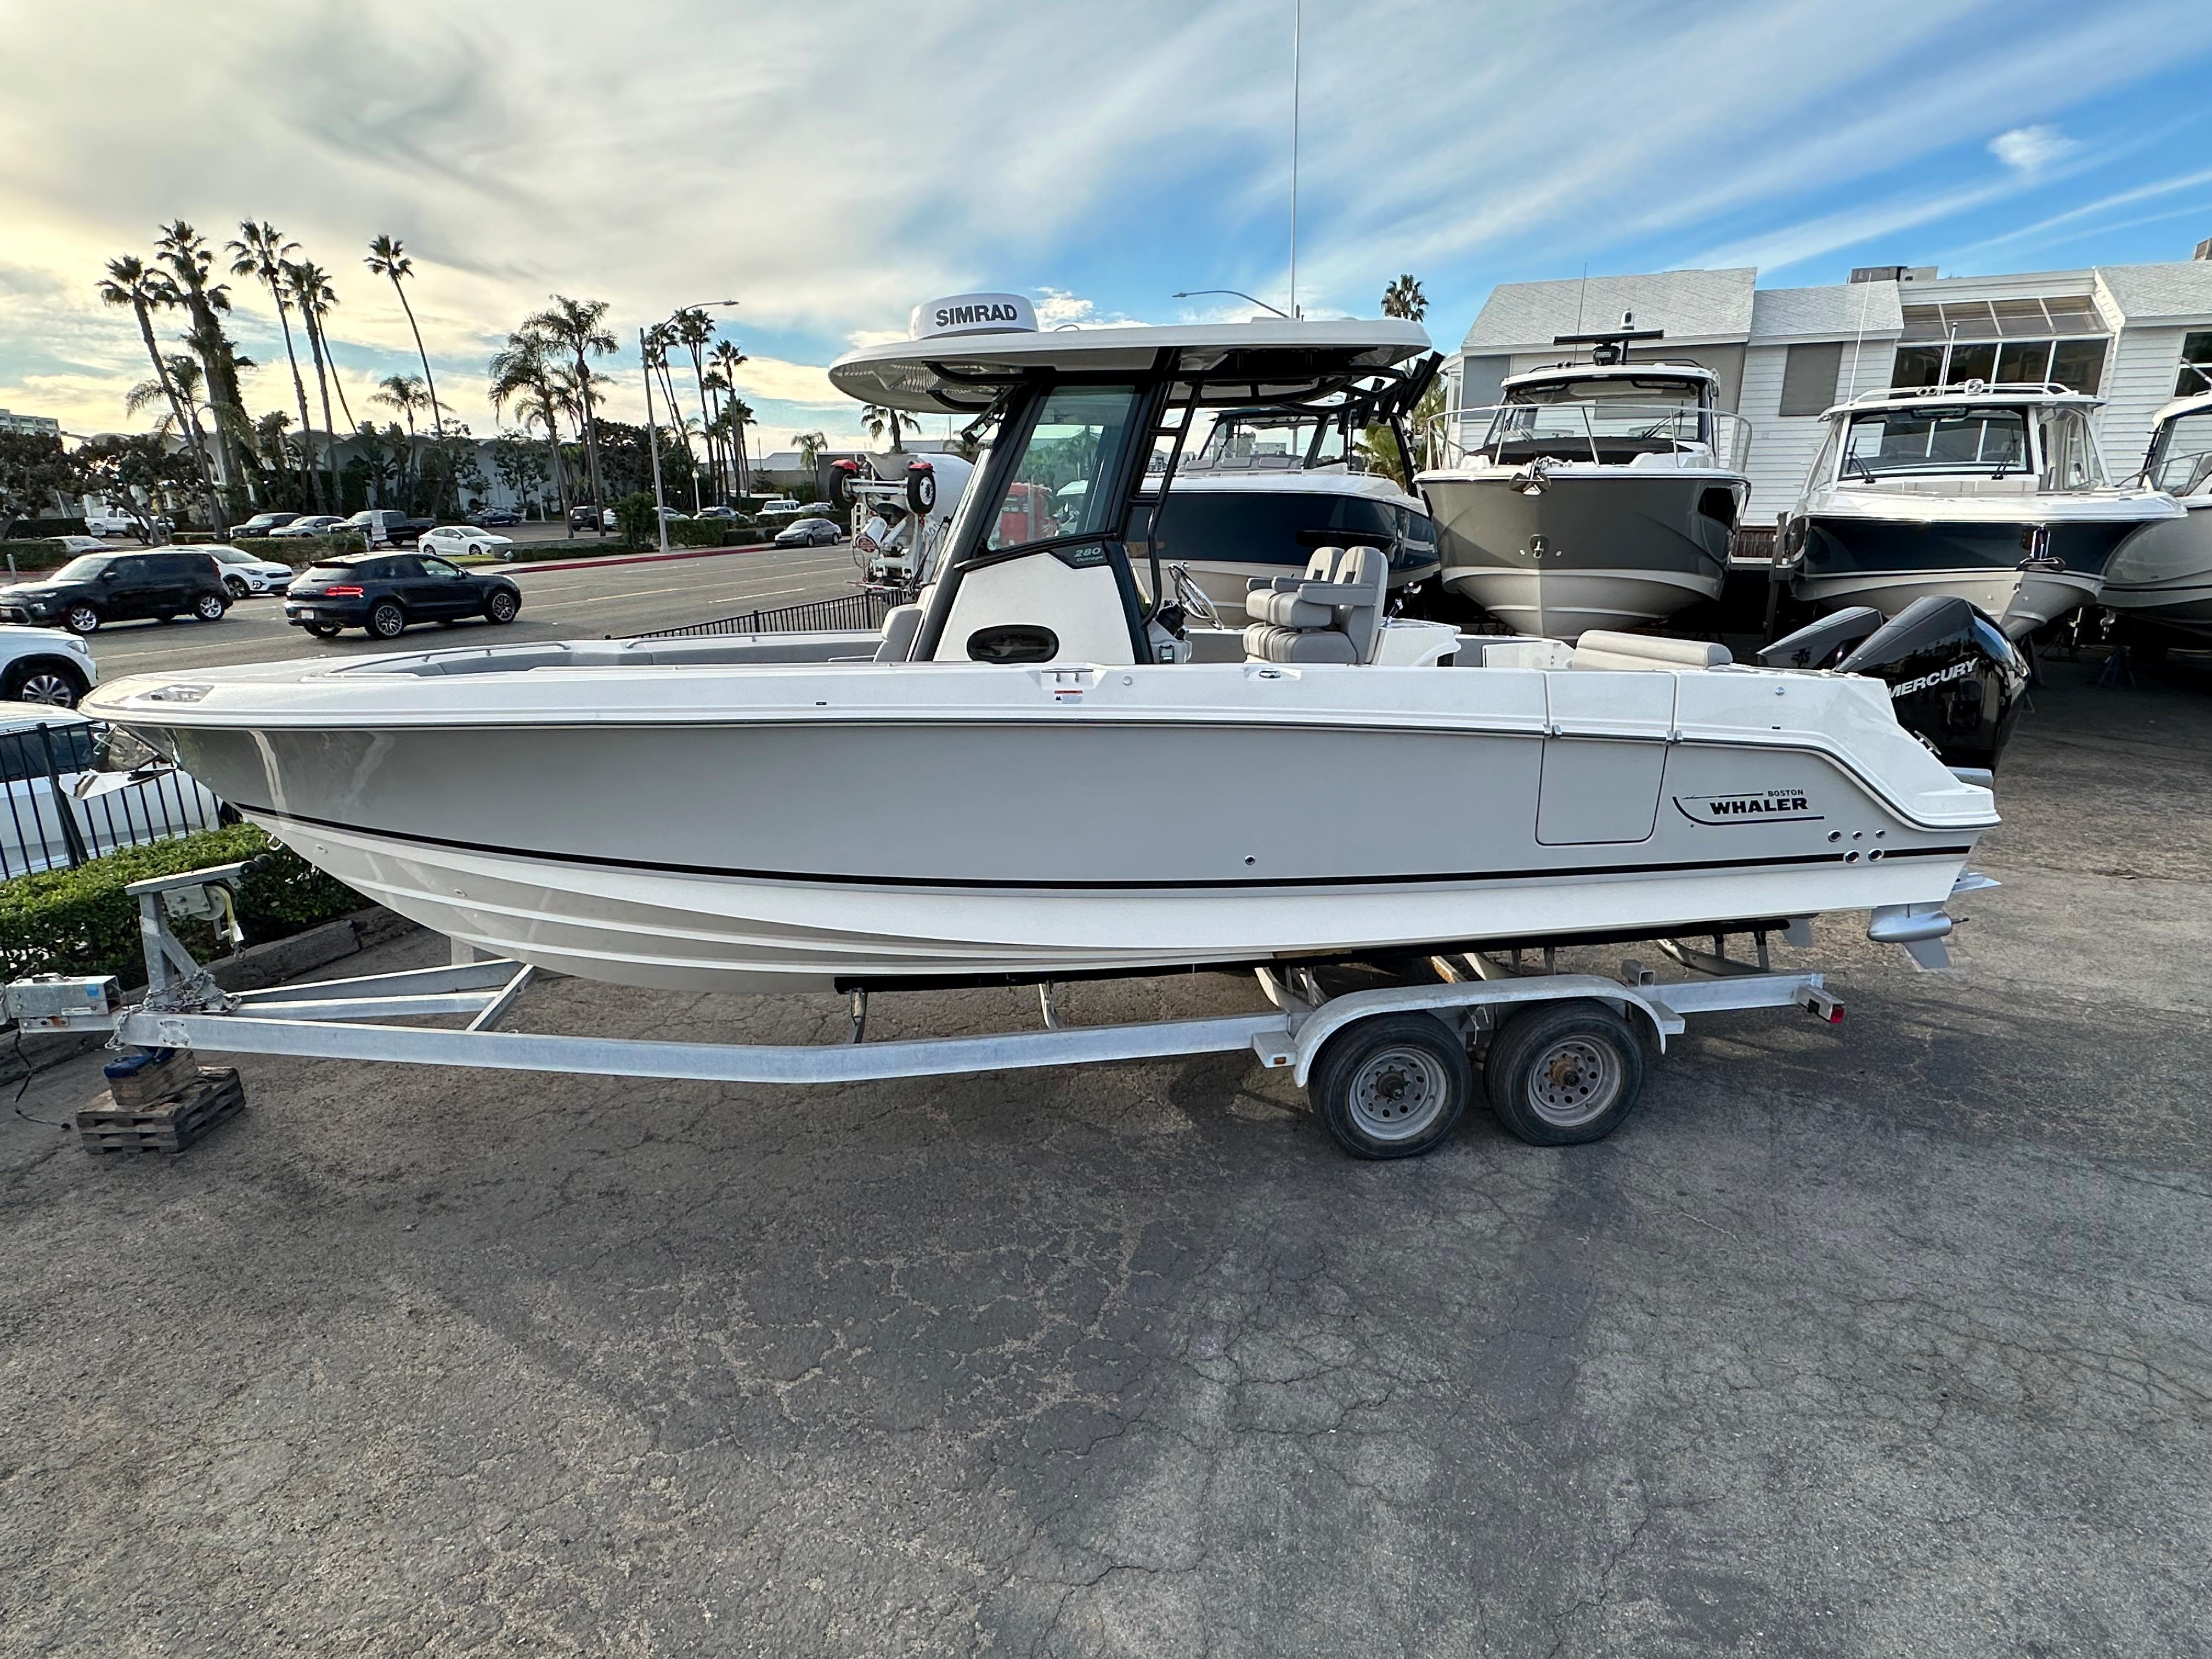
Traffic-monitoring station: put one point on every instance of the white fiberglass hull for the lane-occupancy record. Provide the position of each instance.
(794, 825)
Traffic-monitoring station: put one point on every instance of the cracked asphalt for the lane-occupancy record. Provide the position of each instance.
(1884, 1339)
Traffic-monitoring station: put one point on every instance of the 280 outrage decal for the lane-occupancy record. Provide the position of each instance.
(1753, 806)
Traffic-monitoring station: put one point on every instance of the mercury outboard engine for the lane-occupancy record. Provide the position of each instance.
(1955, 681)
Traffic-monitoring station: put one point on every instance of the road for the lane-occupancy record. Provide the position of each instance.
(587, 601)
(1856, 1341)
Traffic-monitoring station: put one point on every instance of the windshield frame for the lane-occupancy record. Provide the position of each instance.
(1863, 470)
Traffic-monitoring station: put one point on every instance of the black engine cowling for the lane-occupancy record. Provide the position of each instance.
(1954, 680)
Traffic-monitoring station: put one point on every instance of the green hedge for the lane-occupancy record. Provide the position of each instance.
(82, 921)
(30, 554)
(300, 551)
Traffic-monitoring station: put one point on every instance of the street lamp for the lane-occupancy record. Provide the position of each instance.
(1193, 292)
(651, 433)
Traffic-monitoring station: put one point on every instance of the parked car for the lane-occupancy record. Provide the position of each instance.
(670, 515)
(810, 532)
(74, 545)
(262, 523)
(452, 540)
(45, 755)
(581, 516)
(313, 524)
(378, 526)
(45, 665)
(783, 507)
(245, 573)
(106, 587)
(410, 530)
(110, 523)
(488, 517)
(725, 513)
(385, 594)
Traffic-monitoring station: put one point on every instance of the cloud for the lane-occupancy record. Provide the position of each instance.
(2031, 150)
(1056, 309)
(707, 163)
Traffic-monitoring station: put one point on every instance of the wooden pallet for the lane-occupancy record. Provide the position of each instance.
(166, 1126)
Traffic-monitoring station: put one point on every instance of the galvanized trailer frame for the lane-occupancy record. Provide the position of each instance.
(1474, 993)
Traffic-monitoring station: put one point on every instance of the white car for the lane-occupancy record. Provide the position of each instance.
(51, 765)
(452, 540)
(245, 573)
(45, 665)
(73, 545)
(783, 507)
(111, 523)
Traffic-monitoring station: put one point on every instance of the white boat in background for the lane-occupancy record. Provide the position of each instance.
(1038, 772)
(1600, 494)
(2160, 577)
(1994, 494)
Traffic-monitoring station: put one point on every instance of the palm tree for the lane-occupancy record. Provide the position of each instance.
(876, 416)
(522, 374)
(259, 251)
(309, 283)
(727, 358)
(694, 328)
(387, 257)
(810, 445)
(1404, 298)
(316, 297)
(130, 283)
(735, 414)
(577, 328)
(186, 378)
(403, 392)
(191, 261)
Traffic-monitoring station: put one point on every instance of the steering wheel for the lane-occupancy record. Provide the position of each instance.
(1191, 597)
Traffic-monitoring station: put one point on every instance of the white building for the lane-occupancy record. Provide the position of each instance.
(2135, 335)
(30, 426)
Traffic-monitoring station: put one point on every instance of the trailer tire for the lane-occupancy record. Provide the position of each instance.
(1561, 1073)
(1393, 1085)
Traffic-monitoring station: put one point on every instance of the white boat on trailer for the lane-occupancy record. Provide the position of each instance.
(2159, 584)
(1081, 785)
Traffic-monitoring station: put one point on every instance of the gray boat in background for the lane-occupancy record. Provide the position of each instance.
(1601, 494)
(2159, 584)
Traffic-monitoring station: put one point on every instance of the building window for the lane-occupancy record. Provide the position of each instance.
(2196, 375)
(1809, 377)
(2008, 340)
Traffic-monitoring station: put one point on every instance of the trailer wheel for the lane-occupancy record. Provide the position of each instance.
(1392, 1086)
(1560, 1073)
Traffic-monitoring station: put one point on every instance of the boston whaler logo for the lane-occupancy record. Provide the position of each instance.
(1957, 670)
(1753, 806)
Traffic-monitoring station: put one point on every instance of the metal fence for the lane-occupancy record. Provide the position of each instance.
(43, 826)
(855, 612)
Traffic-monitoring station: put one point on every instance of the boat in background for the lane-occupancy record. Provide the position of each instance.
(2159, 584)
(1269, 487)
(1600, 494)
(1994, 494)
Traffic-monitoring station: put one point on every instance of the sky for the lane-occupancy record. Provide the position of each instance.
(830, 165)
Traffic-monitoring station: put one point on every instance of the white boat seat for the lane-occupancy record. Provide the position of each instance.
(900, 623)
(1334, 614)
(1598, 649)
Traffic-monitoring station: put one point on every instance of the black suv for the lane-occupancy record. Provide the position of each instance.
(384, 592)
(106, 587)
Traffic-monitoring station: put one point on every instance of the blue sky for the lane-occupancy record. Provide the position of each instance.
(832, 164)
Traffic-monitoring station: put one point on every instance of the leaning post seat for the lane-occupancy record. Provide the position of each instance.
(1333, 614)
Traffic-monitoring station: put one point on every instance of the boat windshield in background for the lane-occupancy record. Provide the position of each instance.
(1970, 439)
(1267, 531)
(1612, 431)
(2181, 455)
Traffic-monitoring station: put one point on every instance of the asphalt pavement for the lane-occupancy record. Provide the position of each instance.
(585, 601)
(1885, 1339)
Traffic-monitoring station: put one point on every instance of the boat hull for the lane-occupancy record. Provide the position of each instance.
(2161, 575)
(799, 855)
(2019, 573)
(1609, 550)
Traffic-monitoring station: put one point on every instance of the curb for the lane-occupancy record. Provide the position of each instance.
(601, 561)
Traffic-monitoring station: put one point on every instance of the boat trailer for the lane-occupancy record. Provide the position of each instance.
(1390, 1069)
